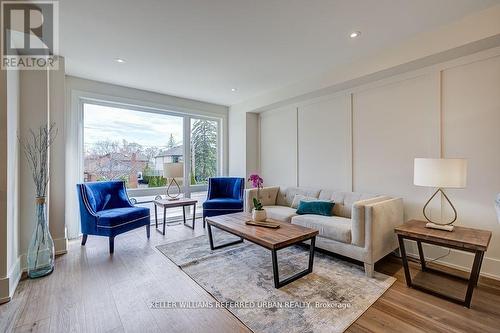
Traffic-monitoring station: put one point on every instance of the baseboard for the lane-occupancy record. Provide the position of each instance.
(9, 283)
(15, 276)
(4, 290)
(487, 269)
(61, 246)
(457, 259)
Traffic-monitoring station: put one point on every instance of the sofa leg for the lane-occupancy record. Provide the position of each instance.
(84, 239)
(148, 231)
(111, 245)
(369, 269)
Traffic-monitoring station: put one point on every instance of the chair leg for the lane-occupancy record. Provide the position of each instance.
(204, 222)
(84, 239)
(111, 245)
(148, 231)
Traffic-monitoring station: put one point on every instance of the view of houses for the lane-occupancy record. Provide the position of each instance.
(142, 167)
(136, 165)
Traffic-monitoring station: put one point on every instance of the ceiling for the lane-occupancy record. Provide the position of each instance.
(201, 49)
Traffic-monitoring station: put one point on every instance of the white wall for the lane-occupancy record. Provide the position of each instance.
(371, 133)
(4, 253)
(57, 186)
(328, 122)
(278, 153)
(237, 143)
(13, 189)
(244, 144)
(471, 128)
(147, 98)
(252, 143)
(392, 124)
(10, 272)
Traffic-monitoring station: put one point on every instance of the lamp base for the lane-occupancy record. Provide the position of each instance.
(174, 197)
(447, 227)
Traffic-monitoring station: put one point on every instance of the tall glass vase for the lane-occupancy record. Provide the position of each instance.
(41, 249)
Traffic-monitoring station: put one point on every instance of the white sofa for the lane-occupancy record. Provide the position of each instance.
(362, 225)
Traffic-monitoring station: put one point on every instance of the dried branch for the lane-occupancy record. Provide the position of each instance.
(36, 150)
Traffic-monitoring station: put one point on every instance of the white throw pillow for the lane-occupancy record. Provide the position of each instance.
(299, 197)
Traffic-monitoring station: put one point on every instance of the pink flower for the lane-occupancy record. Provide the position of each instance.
(256, 180)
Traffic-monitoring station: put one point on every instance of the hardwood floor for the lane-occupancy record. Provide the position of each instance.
(91, 291)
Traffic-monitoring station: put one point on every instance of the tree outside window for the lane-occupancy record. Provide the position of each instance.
(203, 150)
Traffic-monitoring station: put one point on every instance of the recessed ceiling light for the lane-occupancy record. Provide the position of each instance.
(120, 60)
(234, 89)
(355, 34)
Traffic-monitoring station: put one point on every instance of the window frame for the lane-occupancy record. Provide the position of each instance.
(186, 118)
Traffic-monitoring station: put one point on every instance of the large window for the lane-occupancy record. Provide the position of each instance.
(204, 152)
(130, 145)
(133, 145)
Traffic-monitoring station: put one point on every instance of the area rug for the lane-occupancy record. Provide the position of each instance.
(240, 277)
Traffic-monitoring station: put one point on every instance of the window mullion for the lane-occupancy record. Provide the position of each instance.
(187, 156)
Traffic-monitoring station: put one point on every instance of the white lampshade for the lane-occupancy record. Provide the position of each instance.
(440, 172)
(173, 170)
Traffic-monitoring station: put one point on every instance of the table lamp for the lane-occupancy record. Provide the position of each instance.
(440, 173)
(173, 170)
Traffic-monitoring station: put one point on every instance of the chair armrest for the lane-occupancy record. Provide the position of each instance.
(380, 220)
(85, 207)
(268, 196)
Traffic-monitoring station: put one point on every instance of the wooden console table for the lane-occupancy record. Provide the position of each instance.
(463, 239)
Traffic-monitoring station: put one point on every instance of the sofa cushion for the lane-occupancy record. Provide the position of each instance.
(343, 201)
(280, 213)
(332, 227)
(223, 203)
(286, 195)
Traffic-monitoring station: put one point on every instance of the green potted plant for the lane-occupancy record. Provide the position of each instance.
(258, 212)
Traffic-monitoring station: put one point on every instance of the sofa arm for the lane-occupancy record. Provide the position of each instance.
(268, 196)
(358, 219)
(380, 220)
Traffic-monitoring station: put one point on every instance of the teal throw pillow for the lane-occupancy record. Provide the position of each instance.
(318, 207)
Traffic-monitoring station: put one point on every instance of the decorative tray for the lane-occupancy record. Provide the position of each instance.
(266, 224)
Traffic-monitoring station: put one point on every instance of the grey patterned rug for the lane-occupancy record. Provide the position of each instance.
(329, 299)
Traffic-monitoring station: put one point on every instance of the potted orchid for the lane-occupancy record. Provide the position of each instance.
(258, 212)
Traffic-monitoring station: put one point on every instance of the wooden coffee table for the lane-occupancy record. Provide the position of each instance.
(183, 202)
(272, 239)
(463, 239)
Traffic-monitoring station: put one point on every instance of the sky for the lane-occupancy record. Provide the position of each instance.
(115, 124)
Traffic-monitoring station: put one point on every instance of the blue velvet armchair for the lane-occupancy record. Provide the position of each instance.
(105, 210)
(225, 196)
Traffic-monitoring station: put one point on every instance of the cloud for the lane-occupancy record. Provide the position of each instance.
(145, 128)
